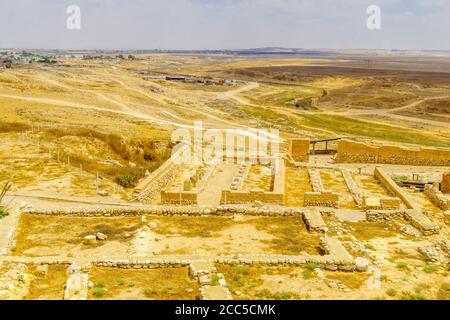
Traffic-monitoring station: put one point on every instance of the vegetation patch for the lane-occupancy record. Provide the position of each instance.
(48, 287)
(154, 284)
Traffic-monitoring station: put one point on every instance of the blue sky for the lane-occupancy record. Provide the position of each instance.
(225, 24)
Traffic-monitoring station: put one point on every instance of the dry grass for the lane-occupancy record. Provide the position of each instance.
(151, 284)
(297, 183)
(51, 287)
(372, 230)
(248, 279)
(193, 226)
(292, 236)
(63, 233)
(353, 280)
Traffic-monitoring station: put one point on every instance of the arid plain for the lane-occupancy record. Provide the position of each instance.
(95, 209)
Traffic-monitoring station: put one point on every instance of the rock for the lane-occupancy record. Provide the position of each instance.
(189, 290)
(362, 264)
(103, 193)
(127, 235)
(204, 280)
(319, 273)
(100, 236)
(152, 225)
(90, 285)
(238, 293)
(73, 269)
(90, 240)
(41, 271)
(409, 230)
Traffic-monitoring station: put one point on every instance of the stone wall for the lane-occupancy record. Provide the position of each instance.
(319, 197)
(240, 176)
(356, 192)
(437, 197)
(422, 222)
(314, 221)
(149, 187)
(179, 198)
(167, 210)
(299, 149)
(445, 184)
(380, 215)
(236, 197)
(393, 188)
(359, 152)
(276, 196)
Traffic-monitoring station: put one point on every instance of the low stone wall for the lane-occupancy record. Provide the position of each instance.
(437, 197)
(333, 247)
(149, 187)
(359, 152)
(236, 197)
(342, 261)
(417, 219)
(184, 198)
(314, 221)
(164, 210)
(379, 215)
(377, 203)
(276, 196)
(240, 176)
(356, 192)
(422, 222)
(319, 197)
(393, 188)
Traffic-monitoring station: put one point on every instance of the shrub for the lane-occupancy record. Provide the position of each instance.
(126, 181)
(120, 281)
(149, 293)
(307, 274)
(444, 291)
(99, 284)
(430, 268)
(311, 266)
(406, 295)
(391, 292)
(402, 265)
(215, 280)
(3, 213)
(131, 284)
(99, 292)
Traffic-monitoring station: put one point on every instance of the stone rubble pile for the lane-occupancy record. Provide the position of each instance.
(378, 215)
(409, 230)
